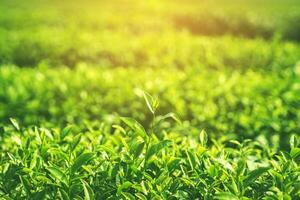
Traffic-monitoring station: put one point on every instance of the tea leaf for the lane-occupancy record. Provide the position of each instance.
(155, 149)
(81, 160)
(226, 196)
(253, 175)
(15, 123)
(58, 174)
(88, 192)
(135, 126)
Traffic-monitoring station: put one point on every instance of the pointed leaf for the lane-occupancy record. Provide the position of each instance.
(295, 152)
(65, 131)
(154, 149)
(57, 174)
(88, 192)
(226, 196)
(151, 102)
(63, 195)
(75, 142)
(253, 175)
(80, 161)
(203, 137)
(139, 149)
(293, 141)
(135, 126)
(124, 186)
(15, 123)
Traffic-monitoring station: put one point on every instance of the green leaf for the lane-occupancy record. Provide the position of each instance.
(212, 171)
(80, 161)
(151, 102)
(88, 192)
(154, 149)
(15, 123)
(33, 160)
(294, 141)
(295, 152)
(174, 117)
(191, 159)
(75, 142)
(277, 177)
(39, 195)
(169, 115)
(2, 130)
(285, 155)
(253, 175)
(139, 149)
(234, 186)
(141, 196)
(226, 196)
(64, 195)
(43, 179)
(58, 174)
(173, 164)
(26, 184)
(119, 128)
(203, 137)
(124, 186)
(65, 131)
(135, 126)
(128, 196)
(241, 167)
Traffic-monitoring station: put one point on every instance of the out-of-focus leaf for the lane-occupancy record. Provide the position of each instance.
(151, 102)
(203, 137)
(15, 123)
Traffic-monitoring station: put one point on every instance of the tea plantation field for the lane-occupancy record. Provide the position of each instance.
(128, 99)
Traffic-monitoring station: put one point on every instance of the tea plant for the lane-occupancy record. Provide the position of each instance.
(127, 161)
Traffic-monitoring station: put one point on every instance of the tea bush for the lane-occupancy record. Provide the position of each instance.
(128, 162)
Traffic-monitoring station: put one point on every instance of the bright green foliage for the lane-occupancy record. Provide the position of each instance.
(130, 163)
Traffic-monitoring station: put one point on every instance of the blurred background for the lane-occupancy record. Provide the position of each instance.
(135, 33)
